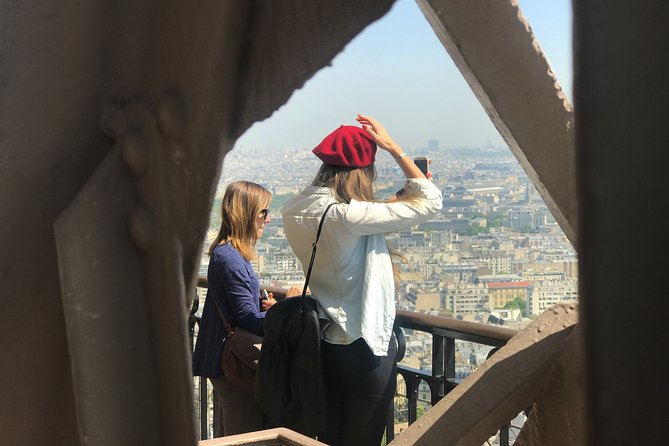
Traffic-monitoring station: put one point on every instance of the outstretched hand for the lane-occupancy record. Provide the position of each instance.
(293, 292)
(378, 133)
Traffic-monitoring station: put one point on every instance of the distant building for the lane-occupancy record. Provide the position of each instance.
(542, 275)
(460, 225)
(462, 299)
(497, 261)
(499, 278)
(520, 220)
(428, 301)
(458, 202)
(546, 294)
(435, 225)
(501, 293)
(570, 269)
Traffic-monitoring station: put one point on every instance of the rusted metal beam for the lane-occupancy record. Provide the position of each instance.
(494, 48)
(524, 370)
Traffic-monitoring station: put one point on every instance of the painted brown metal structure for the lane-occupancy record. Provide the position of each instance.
(115, 121)
(115, 118)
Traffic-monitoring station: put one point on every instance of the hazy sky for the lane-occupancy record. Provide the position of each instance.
(397, 71)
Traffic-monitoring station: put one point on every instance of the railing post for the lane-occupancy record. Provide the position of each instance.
(192, 319)
(204, 409)
(443, 366)
(412, 397)
(438, 368)
(449, 369)
(204, 413)
(401, 350)
(504, 435)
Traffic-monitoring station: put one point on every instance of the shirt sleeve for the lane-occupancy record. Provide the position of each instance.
(243, 303)
(236, 297)
(422, 201)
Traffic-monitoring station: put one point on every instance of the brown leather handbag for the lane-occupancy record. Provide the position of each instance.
(241, 353)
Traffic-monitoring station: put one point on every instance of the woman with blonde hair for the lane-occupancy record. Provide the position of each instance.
(234, 290)
(353, 278)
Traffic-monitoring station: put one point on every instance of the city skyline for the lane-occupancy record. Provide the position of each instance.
(493, 244)
(397, 71)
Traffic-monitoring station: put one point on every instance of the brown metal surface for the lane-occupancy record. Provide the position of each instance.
(169, 86)
(521, 373)
(504, 65)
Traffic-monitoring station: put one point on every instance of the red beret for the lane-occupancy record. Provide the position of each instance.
(347, 146)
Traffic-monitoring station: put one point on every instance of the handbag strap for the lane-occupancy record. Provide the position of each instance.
(313, 251)
(227, 326)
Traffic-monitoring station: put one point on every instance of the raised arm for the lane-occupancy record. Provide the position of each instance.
(384, 141)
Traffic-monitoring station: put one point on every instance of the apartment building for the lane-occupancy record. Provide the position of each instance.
(501, 293)
(467, 298)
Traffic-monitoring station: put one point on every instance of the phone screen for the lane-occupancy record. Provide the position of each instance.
(422, 163)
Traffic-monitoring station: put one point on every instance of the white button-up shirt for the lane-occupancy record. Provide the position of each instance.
(352, 278)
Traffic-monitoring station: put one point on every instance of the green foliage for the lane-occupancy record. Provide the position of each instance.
(215, 217)
(420, 411)
(495, 219)
(518, 303)
(475, 230)
(277, 203)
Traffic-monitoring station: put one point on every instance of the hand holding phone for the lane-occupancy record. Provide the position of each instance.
(423, 163)
(266, 300)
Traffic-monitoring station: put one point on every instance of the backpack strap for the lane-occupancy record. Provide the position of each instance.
(313, 251)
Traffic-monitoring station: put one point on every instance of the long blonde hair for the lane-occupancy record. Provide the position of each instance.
(347, 182)
(354, 183)
(239, 211)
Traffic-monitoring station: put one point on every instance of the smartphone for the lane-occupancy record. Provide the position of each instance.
(264, 295)
(423, 163)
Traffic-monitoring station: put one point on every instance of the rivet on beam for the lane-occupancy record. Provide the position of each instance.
(142, 227)
(134, 150)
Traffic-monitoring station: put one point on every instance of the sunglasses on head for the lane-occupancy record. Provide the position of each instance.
(264, 212)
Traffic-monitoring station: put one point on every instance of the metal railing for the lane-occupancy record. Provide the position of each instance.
(200, 383)
(441, 379)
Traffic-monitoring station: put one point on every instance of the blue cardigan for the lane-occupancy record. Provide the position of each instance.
(233, 285)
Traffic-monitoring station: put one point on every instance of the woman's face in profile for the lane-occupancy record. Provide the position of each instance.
(262, 218)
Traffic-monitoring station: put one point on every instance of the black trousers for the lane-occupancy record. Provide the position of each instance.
(360, 388)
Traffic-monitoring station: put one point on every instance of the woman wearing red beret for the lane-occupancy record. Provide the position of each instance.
(353, 277)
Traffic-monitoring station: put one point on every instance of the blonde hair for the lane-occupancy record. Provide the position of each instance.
(347, 182)
(354, 183)
(239, 211)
